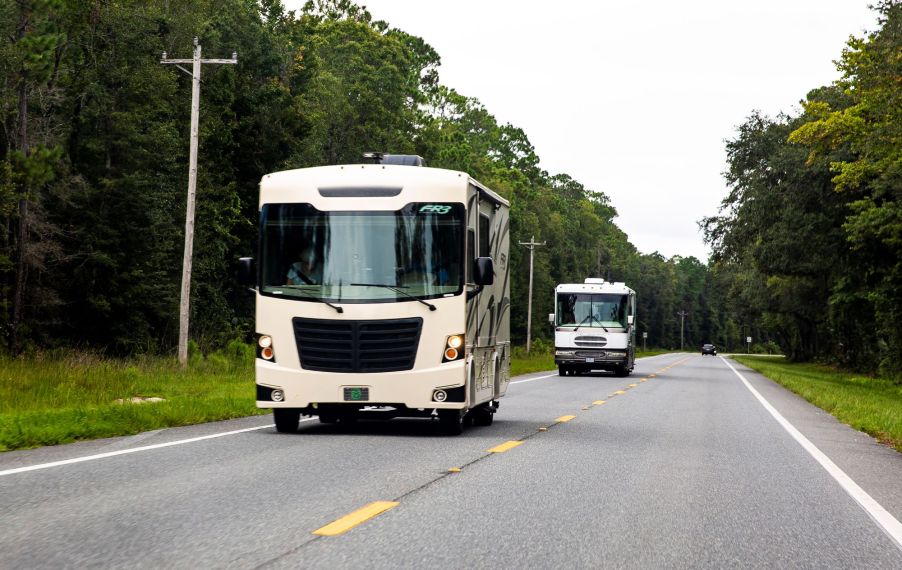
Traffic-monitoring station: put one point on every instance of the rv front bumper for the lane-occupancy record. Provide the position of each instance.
(589, 356)
(414, 389)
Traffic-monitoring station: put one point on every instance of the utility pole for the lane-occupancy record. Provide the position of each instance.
(682, 315)
(532, 245)
(184, 304)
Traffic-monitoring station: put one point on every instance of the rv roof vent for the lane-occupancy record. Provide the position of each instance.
(399, 159)
(594, 280)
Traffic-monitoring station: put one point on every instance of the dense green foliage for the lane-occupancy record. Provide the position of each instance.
(93, 165)
(810, 235)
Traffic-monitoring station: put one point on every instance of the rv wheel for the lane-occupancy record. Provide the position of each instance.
(451, 421)
(483, 416)
(561, 370)
(286, 419)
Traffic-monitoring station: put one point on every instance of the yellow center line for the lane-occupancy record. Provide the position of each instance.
(505, 446)
(563, 419)
(349, 521)
(618, 392)
(598, 402)
(454, 470)
(633, 385)
(651, 375)
(585, 408)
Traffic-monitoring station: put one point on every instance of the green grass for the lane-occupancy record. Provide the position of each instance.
(65, 399)
(871, 405)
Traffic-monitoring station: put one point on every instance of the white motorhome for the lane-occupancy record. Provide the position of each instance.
(594, 327)
(381, 290)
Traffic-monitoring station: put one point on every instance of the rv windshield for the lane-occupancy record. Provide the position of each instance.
(355, 257)
(600, 310)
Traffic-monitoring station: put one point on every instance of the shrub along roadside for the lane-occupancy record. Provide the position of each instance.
(872, 405)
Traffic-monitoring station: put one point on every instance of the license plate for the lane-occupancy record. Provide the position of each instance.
(355, 394)
(590, 360)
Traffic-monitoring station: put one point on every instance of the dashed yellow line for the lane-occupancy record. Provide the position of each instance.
(598, 402)
(505, 446)
(349, 521)
(633, 385)
(454, 470)
(563, 419)
(618, 393)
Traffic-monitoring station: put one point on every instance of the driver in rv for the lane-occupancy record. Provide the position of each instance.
(306, 270)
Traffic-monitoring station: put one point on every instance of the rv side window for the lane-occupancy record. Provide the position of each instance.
(484, 250)
(471, 255)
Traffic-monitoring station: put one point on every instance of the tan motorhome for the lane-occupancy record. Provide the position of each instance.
(381, 290)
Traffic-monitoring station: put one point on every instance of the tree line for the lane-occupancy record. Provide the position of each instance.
(809, 236)
(93, 164)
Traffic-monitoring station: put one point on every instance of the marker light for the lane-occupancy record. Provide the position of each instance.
(264, 341)
(451, 353)
(455, 341)
(267, 353)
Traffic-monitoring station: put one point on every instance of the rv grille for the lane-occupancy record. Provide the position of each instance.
(591, 341)
(357, 346)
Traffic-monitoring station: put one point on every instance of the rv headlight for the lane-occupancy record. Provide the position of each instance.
(265, 350)
(564, 353)
(454, 348)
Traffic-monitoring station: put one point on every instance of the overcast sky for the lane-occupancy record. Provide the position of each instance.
(635, 99)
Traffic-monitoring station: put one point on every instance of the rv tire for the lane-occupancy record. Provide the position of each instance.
(483, 415)
(451, 422)
(286, 419)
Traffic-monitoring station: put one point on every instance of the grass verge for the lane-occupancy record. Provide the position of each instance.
(871, 405)
(65, 399)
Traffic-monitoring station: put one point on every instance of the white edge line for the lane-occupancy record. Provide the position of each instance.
(887, 522)
(131, 450)
(533, 379)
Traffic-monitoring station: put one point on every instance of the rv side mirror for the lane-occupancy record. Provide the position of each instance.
(629, 320)
(551, 318)
(247, 271)
(483, 271)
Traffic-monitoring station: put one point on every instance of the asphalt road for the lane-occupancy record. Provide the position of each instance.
(681, 466)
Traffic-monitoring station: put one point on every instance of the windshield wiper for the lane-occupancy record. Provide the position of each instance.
(586, 319)
(310, 295)
(396, 289)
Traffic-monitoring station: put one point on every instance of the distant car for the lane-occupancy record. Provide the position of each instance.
(709, 349)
